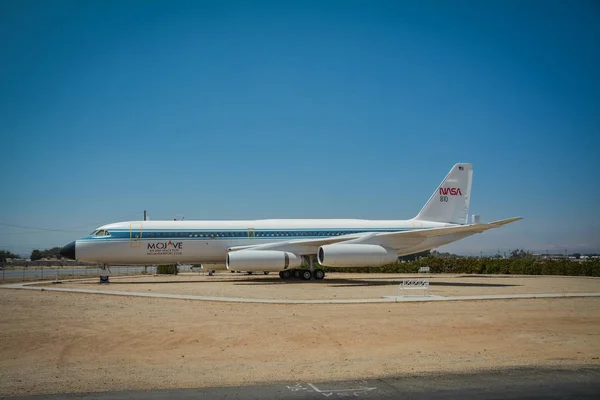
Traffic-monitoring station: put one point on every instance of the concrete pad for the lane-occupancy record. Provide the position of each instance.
(385, 299)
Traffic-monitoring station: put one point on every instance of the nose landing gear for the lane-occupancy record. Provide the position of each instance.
(105, 274)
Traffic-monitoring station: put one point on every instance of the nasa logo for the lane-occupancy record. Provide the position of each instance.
(450, 191)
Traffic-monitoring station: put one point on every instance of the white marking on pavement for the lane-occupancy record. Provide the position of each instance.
(356, 392)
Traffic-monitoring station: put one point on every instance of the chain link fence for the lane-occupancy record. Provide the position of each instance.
(35, 271)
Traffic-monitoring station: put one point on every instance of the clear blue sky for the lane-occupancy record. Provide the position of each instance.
(326, 109)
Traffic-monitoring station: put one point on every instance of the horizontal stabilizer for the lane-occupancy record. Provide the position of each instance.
(449, 230)
(505, 221)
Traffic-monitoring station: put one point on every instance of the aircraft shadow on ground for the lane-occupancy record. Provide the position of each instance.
(335, 282)
(361, 282)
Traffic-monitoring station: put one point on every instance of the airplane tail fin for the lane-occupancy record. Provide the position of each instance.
(450, 201)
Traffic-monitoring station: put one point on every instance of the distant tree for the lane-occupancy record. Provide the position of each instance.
(577, 255)
(436, 253)
(520, 254)
(54, 252)
(416, 256)
(36, 255)
(4, 254)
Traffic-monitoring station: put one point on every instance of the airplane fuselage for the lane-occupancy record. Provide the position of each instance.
(154, 242)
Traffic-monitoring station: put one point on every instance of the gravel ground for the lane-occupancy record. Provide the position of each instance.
(341, 286)
(69, 342)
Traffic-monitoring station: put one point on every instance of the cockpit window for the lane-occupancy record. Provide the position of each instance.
(100, 232)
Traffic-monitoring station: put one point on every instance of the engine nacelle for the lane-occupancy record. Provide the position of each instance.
(262, 260)
(356, 255)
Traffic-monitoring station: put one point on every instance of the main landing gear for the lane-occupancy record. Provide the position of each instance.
(305, 274)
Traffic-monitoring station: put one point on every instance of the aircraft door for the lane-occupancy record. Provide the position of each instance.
(135, 234)
(251, 234)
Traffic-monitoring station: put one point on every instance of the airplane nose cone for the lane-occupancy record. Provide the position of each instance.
(68, 251)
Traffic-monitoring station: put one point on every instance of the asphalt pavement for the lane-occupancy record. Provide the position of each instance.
(524, 383)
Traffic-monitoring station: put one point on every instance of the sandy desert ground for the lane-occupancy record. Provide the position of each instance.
(54, 342)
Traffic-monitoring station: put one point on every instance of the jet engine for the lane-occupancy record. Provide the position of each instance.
(356, 255)
(262, 260)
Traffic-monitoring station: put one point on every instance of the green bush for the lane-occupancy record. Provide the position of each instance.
(470, 265)
(167, 269)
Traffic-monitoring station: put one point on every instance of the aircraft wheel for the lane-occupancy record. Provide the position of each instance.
(210, 273)
(319, 274)
(249, 272)
(297, 273)
(266, 272)
(306, 275)
(284, 274)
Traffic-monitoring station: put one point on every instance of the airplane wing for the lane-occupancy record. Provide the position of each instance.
(391, 239)
(303, 246)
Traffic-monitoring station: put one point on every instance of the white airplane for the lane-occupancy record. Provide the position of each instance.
(289, 246)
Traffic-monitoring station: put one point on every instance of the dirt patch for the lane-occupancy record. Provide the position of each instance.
(340, 286)
(69, 342)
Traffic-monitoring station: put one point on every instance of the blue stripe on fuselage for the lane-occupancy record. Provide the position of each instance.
(228, 234)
